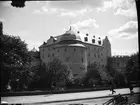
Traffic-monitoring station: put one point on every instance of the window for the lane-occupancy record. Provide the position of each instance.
(95, 55)
(82, 59)
(86, 39)
(89, 54)
(99, 42)
(67, 59)
(53, 54)
(118, 63)
(74, 49)
(102, 60)
(65, 49)
(48, 55)
(57, 50)
(82, 50)
(93, 40)
(42, 56)
(43, 49)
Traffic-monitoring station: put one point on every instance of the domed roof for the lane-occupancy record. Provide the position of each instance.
(70, 35)
(70, 45)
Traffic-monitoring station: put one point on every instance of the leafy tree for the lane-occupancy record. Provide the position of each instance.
(105, 77)
(92, 75)
(132, 68)
(14, 56)
(55, 72)
(117, 76)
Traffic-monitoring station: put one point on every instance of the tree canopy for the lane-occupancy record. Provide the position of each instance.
(14, 59)
(132, 68)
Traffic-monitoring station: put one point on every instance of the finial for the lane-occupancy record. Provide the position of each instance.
(70, 25)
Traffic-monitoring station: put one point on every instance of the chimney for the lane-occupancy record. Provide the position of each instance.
(44, 43)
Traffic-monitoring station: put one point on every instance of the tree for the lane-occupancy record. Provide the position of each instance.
(132, 68)
(117, 76)
(105, 77)
(56, 71)
(92, 75)
(14, 58)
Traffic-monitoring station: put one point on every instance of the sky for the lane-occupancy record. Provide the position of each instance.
(38, 20)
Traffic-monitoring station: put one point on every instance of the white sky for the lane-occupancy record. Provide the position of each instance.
(39, 20)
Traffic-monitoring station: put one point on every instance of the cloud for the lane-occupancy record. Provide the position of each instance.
(127, 31)
(37, 12)
(123, 4)
(24, 35)
(85, 25)
(2, 20)
(76, 5)
(123, 52)
(70, 8)
(106, 5)
(75, 13)
(5, 3)
(130, 12)
(32, 44)
(125, 8)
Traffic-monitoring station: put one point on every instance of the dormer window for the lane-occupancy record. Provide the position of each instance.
(99, 42)
(86, 39)
(93, 40)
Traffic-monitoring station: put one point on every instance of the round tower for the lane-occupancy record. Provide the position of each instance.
(72, 53)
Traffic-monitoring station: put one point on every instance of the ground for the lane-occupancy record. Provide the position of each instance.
(91, 97)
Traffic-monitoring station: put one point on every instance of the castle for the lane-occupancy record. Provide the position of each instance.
(75, 51)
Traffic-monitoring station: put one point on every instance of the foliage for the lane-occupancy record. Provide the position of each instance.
(14, 58)
(105, 77)
(92, 76)
(56, 70)
(117, 76)
(132, 68)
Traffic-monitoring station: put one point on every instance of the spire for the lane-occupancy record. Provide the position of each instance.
(70, 27)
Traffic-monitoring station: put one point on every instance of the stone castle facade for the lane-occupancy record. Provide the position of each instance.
(75, 51)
